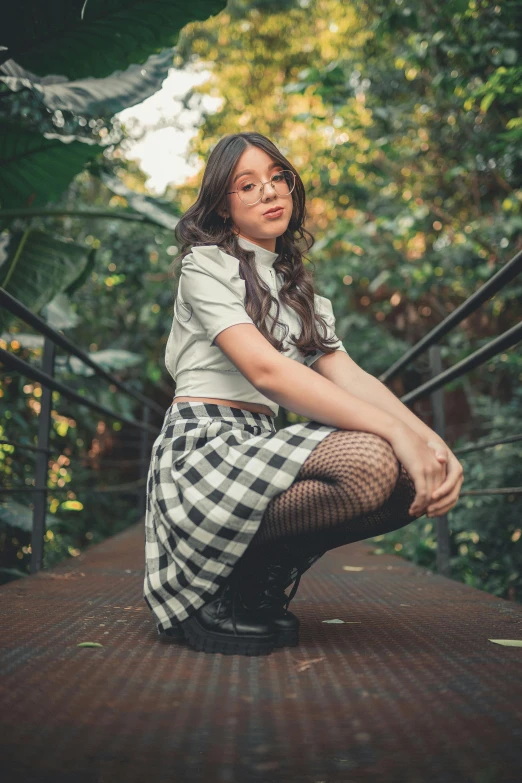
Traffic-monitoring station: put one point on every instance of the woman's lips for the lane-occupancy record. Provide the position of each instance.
(274, 214)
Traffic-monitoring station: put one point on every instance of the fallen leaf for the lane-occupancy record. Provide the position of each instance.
(303, 665)
(333, 621)
(353, 568)
(89, 644)
(507, 642)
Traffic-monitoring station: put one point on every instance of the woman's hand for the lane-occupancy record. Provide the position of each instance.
(427, 470)
(446, 495)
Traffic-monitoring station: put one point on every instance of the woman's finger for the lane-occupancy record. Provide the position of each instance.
(443, 505)
(453, 475)
(442, 455)
(450, 497)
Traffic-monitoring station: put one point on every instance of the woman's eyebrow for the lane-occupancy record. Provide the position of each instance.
(249, 171)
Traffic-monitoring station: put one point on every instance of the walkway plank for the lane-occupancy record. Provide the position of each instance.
(407, 689)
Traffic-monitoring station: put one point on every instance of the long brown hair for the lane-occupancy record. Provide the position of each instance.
(202, 225)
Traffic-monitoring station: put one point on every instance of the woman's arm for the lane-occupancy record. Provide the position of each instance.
(344, 372)
(339, 368)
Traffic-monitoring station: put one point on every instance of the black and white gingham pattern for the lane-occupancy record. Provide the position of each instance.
(213, 471)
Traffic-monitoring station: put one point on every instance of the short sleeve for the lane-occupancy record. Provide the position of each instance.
(211, 288)
(323, 307)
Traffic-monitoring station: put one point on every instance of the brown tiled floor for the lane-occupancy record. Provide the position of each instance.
(406, 688)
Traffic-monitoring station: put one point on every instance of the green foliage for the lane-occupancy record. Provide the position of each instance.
(38, 266)
(91, 96)
(24, 151)
(98, 41)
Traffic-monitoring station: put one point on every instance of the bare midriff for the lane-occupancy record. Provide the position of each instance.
(253, 407)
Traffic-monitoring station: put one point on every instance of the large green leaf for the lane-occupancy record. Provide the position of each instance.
(35, 169)
(37, 266)
(92, 97)
(79, 39)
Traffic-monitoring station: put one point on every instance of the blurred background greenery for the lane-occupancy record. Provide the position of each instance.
(404, 120)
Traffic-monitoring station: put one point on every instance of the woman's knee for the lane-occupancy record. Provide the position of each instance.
(347, 458)
(373, 457)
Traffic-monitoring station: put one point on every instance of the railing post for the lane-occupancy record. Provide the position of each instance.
(144, 457)
(42, 459)
(437, 402)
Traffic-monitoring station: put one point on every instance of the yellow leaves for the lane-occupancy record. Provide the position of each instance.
(486, 101)
(72, 505)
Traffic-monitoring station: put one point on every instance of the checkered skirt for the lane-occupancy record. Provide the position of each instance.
(212, 473)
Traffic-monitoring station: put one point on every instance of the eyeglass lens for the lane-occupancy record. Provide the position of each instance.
(251, 190)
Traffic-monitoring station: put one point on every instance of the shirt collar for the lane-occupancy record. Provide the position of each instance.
(262, 256)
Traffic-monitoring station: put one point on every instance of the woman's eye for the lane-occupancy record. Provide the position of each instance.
(247, 186)
(278, 177)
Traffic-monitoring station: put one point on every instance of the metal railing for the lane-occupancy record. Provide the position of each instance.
(45, 376)
(440, 378)
(433, 387)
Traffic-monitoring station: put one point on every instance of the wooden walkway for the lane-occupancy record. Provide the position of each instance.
(394, 680)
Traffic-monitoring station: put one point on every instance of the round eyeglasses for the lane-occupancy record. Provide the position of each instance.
(251, 190)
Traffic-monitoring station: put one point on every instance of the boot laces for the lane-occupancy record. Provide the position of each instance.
(274, 584)
(230, 591)
(293, 591)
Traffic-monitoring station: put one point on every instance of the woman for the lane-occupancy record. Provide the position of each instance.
(237, 511)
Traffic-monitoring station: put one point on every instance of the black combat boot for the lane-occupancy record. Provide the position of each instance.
(262, 584)
(224, 626)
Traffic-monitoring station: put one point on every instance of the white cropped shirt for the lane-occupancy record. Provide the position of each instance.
(210, 298)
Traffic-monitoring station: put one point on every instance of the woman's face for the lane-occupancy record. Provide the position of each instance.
(250, 221)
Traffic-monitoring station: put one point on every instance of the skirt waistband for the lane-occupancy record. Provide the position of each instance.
(197, 410)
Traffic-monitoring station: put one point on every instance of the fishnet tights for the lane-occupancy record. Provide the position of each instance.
(350, 487)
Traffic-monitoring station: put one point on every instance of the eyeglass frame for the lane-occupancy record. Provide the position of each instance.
(263, 189)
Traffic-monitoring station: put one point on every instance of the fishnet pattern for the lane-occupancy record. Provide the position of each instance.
(350, 487)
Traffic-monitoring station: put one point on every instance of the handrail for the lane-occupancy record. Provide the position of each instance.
(14, 362)
(481, 356)
(45, 376)
(486, 444)
(28, 446)
(439, 379)
(114, 488)
(472, 303)
(17, 308)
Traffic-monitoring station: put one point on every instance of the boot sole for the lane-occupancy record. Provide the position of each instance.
(282, 638)
(208, 641)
